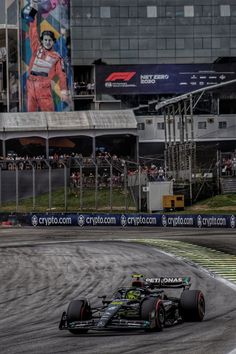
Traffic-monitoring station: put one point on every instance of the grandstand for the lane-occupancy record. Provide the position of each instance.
(86, 132)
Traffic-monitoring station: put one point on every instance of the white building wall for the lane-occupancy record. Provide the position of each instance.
(221, 127)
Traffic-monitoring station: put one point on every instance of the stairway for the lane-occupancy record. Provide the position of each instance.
(117, 164)
(228, 185)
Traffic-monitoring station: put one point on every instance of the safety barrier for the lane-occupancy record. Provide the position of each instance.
(124, 220)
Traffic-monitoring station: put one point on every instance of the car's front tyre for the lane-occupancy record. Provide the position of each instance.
(78, 310)
(152, 310)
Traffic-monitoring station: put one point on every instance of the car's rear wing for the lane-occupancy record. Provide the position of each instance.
(168, 282)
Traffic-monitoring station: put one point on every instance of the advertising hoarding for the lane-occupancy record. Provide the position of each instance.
(160, 78)
(133, 220)
(45, 57)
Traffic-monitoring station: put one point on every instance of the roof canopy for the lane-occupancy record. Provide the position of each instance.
(68, 123)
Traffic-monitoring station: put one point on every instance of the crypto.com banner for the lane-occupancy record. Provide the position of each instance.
(160, 78)
(50, 73)
(126, 220)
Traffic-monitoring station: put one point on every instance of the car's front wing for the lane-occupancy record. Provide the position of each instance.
(95, 324)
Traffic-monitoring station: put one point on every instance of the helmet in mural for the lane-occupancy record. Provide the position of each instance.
(46, 6)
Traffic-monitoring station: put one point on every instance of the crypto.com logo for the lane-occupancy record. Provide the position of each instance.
(199, 221)
(121, 76)
(81, 220)
(232, 221)
(164, 220)
(34, 220)
(123, 220)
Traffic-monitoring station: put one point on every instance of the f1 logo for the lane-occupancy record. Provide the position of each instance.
(123, 76)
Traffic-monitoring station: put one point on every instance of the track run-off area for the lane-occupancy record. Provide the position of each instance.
(219, 264)
(43, 269)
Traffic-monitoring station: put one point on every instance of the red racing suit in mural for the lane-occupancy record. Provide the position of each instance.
(44, 66)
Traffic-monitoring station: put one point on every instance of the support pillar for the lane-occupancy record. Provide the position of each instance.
(137, 150)
(94, 148)
(47, 148)
(4, 149)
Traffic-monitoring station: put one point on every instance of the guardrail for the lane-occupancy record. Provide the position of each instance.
(124, 220)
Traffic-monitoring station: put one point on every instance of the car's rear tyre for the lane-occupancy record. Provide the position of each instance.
(78, 310)
(192, 305)
(152, 310)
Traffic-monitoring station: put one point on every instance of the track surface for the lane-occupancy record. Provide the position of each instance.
(41, 270)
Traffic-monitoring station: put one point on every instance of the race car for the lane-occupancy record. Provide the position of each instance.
(144, 305)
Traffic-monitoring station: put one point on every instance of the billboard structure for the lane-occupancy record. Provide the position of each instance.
(160, 78)
(46, 77)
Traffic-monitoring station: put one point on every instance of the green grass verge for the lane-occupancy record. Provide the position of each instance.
(119, 202)
(225, 203)
(219, 204)
(219, 201)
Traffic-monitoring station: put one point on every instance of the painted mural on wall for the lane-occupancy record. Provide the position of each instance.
(45, 55)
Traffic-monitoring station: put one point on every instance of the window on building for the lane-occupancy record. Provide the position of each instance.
(151, 11)
(224, 10)
(12, 12)
(179, 11)
(188, 11)
(202, 125)
(105, 11)
(149, 121)
(223, 125)
(160, 125)
(170, 11)
(140, 126)
(2, 12)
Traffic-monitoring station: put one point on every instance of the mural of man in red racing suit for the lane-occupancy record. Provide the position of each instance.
(44, 65)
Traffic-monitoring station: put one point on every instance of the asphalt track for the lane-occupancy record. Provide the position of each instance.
(41, 270)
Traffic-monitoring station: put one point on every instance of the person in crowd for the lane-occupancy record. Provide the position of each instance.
(234, 165)
(161, 176)
(76, 88)
(89, 88)
(229, 166)
(153, 173)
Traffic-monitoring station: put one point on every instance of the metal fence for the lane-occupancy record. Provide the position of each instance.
(76, 183)
(66, 184)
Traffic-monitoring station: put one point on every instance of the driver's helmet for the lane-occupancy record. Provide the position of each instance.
(133, 295)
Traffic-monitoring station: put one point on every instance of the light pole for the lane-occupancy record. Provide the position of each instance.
(7, 56)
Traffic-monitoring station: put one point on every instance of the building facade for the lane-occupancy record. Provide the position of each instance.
(126, 33)
(152, 31)
(146, 32)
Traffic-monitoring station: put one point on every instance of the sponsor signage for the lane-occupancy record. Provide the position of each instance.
(126, 220)
(164, 280)
(160, 78)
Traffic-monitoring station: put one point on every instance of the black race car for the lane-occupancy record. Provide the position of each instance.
(144, 305)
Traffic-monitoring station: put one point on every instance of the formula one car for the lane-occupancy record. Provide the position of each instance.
(144, 305)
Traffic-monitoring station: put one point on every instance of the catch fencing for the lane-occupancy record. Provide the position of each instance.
(76, 183)
(69, 184)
